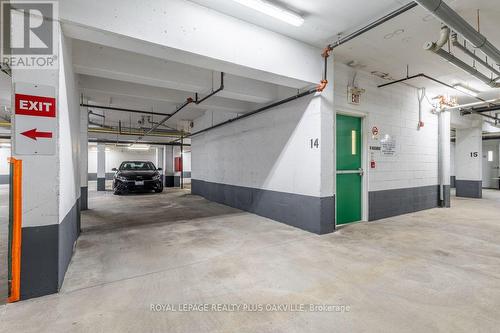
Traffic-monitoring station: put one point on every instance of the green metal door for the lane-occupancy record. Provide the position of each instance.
(349, 171)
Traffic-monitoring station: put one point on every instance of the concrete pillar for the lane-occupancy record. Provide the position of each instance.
(84, 159)
(51, 177)
(159, 160)
(168, 169)
(444, 159)
(468, 168)
(101, 167)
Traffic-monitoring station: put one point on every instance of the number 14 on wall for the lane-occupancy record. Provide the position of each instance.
(314, 143)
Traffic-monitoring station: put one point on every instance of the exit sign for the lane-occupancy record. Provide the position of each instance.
(354, 95)
(38, 106)
(35, 119)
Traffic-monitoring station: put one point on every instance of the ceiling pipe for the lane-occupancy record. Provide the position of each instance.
(458, 45)
(468, 105)
(186, 103)
(443, 84)
(449, 17)
(436, 47)
(465, 67)
(221, 87)
(431, 79)
(115, 131)
(487, 109)
(372, 25)
(444, 36)
(318, 89)
(128, 142)
(122, 109)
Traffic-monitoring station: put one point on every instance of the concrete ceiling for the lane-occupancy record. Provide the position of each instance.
(324, 19)
(118, 78)
(390, 47)
(399, 42)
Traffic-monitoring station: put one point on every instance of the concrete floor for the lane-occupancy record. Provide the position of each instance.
(436, 270)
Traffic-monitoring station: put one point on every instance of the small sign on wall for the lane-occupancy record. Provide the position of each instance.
(388, 146)
(354, 95)
(35, 119)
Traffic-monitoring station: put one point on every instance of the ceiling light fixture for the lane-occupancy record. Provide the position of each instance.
(274, 11)
(466, 90)
(138, 147)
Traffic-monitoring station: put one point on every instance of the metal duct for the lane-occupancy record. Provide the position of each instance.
(443, 39)
(462, 65)
(448, 16)
(465, 50)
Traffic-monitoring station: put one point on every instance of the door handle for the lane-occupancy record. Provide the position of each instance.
(361, 172)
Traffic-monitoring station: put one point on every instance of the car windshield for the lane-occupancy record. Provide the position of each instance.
(137, 166)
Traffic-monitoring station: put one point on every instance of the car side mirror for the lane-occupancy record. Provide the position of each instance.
(114, 169)
(159, 169)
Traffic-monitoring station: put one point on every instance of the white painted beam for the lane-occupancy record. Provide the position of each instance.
(106, 62)
(185, 32)
(125, 137)
(90, 84)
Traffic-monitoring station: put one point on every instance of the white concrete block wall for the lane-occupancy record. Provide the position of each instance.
(468, 144)
(394, 111)
(491, 170)
(69, 132)
(270, 150)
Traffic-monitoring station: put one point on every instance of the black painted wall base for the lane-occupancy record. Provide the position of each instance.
(388, 203)
(469, 188)
(169, 181)
(101, 184)
(447, 196)
(39, 261)
(45, 254)
(309, 213)
(84, 198)
(69, 230)
(93, 176)
(177, 181)
(452, 181)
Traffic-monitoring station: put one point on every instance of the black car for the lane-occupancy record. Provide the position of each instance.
(134, 176)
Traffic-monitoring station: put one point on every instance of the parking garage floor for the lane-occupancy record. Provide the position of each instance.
(436, 270)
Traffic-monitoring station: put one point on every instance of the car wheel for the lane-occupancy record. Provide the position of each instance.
(159, 190)
(117, 192)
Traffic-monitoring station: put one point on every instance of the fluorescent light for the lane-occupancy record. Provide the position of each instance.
(138, 147)
(5, 145)
(274, 11)
(466, 90)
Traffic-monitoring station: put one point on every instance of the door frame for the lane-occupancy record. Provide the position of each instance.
(364, 160)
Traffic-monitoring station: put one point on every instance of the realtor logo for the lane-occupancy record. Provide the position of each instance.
(28, 32)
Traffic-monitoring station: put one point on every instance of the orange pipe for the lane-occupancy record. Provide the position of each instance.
(17, 177)
(322, 85)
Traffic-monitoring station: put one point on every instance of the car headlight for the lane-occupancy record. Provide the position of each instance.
(123, 179)
(156, 177)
